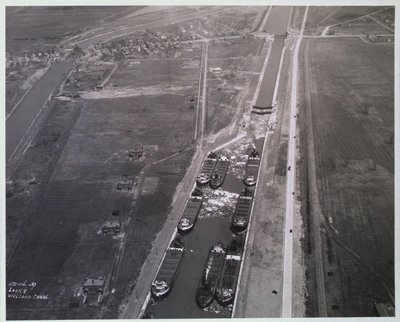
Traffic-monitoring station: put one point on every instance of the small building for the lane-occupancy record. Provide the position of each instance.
(125, 183)
(216, 70)
(111, 227)
(93, 285)
(135, 154)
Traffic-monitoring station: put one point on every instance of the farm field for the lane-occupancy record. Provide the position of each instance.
(350, 20)
(77, 160)
(347, 128)
(50, 25)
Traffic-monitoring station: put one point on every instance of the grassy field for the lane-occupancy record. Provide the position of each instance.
(349, 20)
(32, 28)
(78, 158)
(349, 99)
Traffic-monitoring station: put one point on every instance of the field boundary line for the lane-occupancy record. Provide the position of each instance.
(109, 75)
(330, 14)
(198, 100)
(379, 23)
(204, 96)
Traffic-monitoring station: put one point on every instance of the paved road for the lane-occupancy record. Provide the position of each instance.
(20, 121)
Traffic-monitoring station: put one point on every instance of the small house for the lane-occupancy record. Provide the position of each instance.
(93, 285)
(111, 227)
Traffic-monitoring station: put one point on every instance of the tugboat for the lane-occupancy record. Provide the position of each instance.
(252, 165)
(211, 274)
(207, 169)
(226, 288)
(192, 209)
(166, 273)
(219, 173)
(240, 219)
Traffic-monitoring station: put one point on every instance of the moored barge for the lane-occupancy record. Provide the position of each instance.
(207, 169)
(211, 275)
(252, 166)
(167, 271)
(240, 219)
(191, 211)
(226, 289)
(219, 173)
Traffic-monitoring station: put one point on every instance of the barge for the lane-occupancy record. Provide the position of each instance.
(211, 275)
(226, 289)
(191, 211)
(240, 219)
(252, 165)
(219, 173)
(207, 169)
(167, 271)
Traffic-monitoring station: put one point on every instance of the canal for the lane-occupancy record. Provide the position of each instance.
(276, 25)
(181, 301)
(20, 121)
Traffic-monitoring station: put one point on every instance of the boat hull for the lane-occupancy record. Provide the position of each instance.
(216, 184)
(249, 182)
(220, 169)
(211, 274)
(190, 213)
(241, 216)
(226, 289)
(206, 171)
(185, 229)
(166, 273)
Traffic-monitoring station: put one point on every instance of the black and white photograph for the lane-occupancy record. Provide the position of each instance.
(173, 160)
